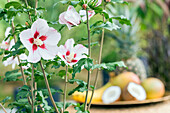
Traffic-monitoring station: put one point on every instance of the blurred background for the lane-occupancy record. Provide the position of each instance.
(144, 46)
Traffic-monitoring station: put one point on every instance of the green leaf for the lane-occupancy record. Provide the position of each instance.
(119, 1)
(78, 66)
(17, 45)
(2, 13)
(82, 86)
(74, 3)
(108, 25)
(61, 73)
(22, 105)
(92, 44)
(109, 66)
(122, 20)
(5, 100)
(88, 64)
(12, 75)
(53, 91)
(40, 97)
(68, 104)
(24, 92)
(39, 75)
(56, 63)
(95, 24)
(13, 12)
(82, 39)
(80, 108)
(15, 4)
(14, 53)
(106, 15)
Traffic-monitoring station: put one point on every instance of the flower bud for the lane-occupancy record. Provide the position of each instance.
(26, 23)
(108, 0)
(84, 6)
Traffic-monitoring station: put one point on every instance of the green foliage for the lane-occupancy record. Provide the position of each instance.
(110, 66)
(15, 4)
(5, 100)
(61, 73)
(82, 86)
(122, 20)
(17, 45)
(86, 62)
(60, 105)
(22, 104)
(69, 2)
(12, 75)
(24, 92)
(14, 53)
(80, 108)
(56, 63)
(119, 1)
(41, 99)
(108, 25)
(53, 91)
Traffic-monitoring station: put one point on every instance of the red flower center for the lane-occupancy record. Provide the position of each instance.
(37, 41)
(70, 57)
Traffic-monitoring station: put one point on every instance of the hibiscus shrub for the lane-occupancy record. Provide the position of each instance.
(36, 44)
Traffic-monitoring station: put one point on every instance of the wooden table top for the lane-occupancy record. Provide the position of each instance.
(162, 107)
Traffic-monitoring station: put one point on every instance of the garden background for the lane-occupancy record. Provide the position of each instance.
(150, 42)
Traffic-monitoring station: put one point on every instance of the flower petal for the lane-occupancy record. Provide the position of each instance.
(7, 32)
(79, 50)
(12, 43)
(13, 66)
(72, 16)
(62, 58)
(24, 37)
(53, 37)
(43, 38)
(49, 52)
(23, 56)
(34, 47)
(41, 26)
(98, 3)
(83, 13)
(69, 44)
(62, 20)
(61, 50)
(34, 57)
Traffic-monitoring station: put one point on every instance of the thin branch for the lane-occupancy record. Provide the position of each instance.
(22, 71)
(26, 3)
(3, 108)
(65, 90)
(36, 5)
(35, 83)
(15, 40)
(89, 53)
(48, 88)
(32, 89)
(99, 61)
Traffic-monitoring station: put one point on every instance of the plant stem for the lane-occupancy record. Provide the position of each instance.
(89, 53)
(32, 88)
(99, 61)
(65, 89)
(35, 83)
(48, 88)
(26, 3)
(22, 72)
(3, 108)
(36, 5)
